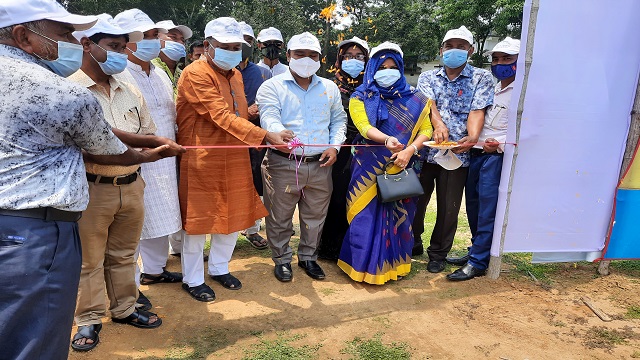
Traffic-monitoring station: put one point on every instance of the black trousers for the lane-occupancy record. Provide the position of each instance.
(449, 186)
(256, 156)
(336, 224)
(40, 264)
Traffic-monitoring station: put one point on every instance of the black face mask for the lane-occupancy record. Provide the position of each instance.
(271, 52)
(247, 51)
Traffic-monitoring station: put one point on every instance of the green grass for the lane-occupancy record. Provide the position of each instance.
(281, 349)
(375, 349)
(603, 338)
(633, 312)
(636, 354)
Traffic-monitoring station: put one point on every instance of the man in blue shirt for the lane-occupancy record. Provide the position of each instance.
(462, 94)
(253, 76)
(310, 107)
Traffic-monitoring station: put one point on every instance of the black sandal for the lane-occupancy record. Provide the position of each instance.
(228, 281)
(89, 332)
(139, 319)
(201, 292)
(165, 277)
(143, 302)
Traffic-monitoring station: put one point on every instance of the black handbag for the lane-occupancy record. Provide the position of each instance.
(402, 185)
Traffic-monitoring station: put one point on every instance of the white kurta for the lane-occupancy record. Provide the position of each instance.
(161, 205)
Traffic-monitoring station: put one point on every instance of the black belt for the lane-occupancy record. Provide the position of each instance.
(116, 180)
(305, 159)
(48, 214)
(478, 152)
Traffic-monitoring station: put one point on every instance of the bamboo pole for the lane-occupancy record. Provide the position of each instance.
(632, 141)
(495, 263)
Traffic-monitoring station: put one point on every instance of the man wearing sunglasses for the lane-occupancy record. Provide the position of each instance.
(270, 43)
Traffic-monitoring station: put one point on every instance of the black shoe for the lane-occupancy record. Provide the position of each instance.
(435, 266)
(417, 250)
(466, 272)
(458, 261)
(312, 269)
(283, 272)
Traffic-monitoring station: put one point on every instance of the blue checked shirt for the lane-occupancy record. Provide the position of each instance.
(315, 115)
(473, 89)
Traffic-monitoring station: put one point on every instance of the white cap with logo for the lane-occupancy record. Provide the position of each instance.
(460, 33)
(169, 25)
(135, 19)
(225, 30)
(246, 29)
(508, 46)
(270, 33)
(14, 12)
(106, 25)
(304, 41)
(387, 45)
(355, 40)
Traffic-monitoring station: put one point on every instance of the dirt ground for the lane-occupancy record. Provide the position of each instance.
(511, 318)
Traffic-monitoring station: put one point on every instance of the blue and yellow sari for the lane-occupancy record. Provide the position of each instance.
(377, 246)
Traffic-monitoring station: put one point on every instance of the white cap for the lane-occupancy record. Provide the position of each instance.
(447, 159)
(135, 19)
(169, 25)
(246, 29)
(270, 33)
(14, 12)
(355, 40)
(387, 45)
(304, 41)
(225, 30)
(508, 46)
(106, 25)
(460, 33)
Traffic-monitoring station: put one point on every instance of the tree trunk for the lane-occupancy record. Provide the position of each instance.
(632, 141)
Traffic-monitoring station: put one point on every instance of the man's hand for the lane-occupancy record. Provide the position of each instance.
(151, 155)
(440, 134)
(466, 143)
(173, 150)
(490, 145)
(281, 138)
(253, 112)
(393, 144)
(402, 157)
(331, 154)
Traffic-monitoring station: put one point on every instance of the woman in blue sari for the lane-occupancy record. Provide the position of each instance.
(386, 110)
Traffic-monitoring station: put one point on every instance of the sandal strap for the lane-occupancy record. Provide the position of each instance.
(141, 316)
(89, 332)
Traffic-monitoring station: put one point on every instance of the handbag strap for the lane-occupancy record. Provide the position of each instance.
(414, 132)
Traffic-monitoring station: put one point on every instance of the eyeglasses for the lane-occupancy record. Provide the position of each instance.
(138, 115)
(360, 57)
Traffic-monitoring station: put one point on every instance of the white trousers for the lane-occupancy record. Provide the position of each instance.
(175, 242)
(154, 253)
(222, 246)
(256, 227)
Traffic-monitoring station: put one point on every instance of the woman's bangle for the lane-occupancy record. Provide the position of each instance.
(387, 139)
(416, 148)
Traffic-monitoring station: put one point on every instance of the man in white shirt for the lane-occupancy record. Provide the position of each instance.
(161, 206)
(481, 190)
(270, 43)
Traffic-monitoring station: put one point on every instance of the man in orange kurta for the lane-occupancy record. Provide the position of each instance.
(216, 190)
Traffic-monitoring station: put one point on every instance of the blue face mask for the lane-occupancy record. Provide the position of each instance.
(454, 58)
(225, 59)
(387, 77)
(504, 71)
(69, 57)
(115, 63)
(174, 50)
(147, 50)
(352, 67)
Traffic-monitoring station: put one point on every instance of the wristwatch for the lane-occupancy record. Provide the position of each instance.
(416, 149)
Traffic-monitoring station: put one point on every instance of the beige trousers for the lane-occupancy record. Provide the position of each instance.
(109, 232)
(281, 195)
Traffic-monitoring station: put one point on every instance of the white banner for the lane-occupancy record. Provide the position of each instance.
(575, 119)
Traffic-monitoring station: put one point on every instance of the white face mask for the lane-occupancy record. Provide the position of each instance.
(304, 67)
